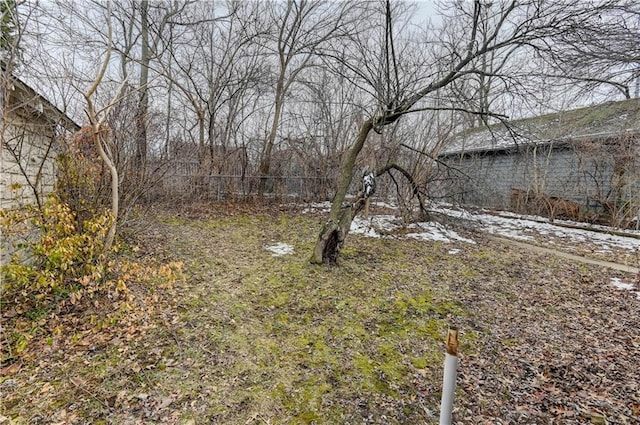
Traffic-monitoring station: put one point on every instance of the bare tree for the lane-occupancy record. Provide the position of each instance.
(213, 64)
(252, 74)
(100, 133)
(600, 53)
(146, 32)
(143, 95)
(302, 29)
(405, 86)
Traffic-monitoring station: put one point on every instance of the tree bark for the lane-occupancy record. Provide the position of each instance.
(265, 163)
(336, 229)
(99, 136)
(100, 132)
(143, 100)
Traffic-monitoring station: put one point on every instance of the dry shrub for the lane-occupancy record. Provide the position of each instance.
(57, 265)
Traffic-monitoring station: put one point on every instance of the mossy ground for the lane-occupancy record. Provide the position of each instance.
(249, 337)
(289, 342)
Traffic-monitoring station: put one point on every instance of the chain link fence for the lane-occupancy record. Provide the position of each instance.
(239, 188)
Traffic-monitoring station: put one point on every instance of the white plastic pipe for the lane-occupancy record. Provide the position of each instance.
(449, 379)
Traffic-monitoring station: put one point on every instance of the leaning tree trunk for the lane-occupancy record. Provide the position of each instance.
(99, 139)
(335, 230)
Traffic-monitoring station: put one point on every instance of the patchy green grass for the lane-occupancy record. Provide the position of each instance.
(249, 337)
(281, 340)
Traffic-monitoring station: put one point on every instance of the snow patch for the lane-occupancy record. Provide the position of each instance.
(317, 207)
(435, 232)
(280, 249)
(383, 204)
(520, 227)
(506, 224)
(379, 225)
(372, 226)
(618, 283)
(387, 222)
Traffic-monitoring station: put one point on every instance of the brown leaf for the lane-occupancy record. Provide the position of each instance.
(10, 313)
(78, 382)
(164, 402)
(11, 369)
(46, 388)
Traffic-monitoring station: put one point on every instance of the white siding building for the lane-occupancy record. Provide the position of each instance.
(30, 127)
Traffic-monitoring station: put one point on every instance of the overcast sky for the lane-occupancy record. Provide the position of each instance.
(426, 9)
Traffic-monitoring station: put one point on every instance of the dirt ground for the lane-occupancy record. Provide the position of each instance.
(252, 338)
